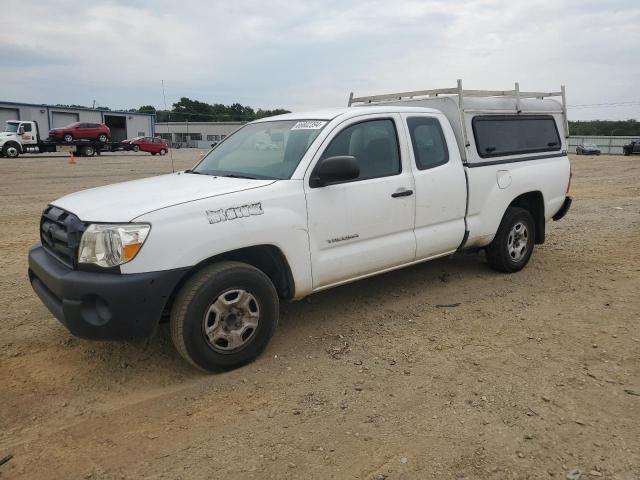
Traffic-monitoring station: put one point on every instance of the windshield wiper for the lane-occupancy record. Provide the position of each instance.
(235, 175)
(194, 172)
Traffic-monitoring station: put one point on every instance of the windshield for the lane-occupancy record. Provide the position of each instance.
(266, 150)
(11, 127)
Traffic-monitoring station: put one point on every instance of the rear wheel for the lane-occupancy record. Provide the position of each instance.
(88, 151)
(512, 246)
(162, 151)
(224, 316)
(103, 138)
(68, 137)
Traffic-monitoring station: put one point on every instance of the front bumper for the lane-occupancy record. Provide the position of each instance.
(101, 306)
(563, 209)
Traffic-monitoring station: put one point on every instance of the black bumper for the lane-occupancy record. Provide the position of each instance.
(101, 306)
(563, 209)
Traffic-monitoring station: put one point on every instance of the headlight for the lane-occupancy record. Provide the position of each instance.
(112, 245)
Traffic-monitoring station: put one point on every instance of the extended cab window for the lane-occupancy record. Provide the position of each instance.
(373, 143)
(427, 139)
(500, 135)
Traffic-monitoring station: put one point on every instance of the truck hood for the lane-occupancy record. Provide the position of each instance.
(123, 202)
(7, 134)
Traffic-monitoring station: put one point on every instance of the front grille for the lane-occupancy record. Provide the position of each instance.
(60, 234)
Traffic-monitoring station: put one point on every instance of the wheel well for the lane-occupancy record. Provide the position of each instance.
(534, 203)
(266, 258)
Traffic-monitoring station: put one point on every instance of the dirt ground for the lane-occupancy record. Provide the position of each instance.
(531, 375)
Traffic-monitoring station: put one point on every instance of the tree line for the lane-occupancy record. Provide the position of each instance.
(194, 111)
(623, 128)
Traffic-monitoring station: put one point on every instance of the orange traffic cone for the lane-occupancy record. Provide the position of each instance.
(72, 158)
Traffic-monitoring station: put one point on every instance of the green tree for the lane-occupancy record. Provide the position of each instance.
(147, 109)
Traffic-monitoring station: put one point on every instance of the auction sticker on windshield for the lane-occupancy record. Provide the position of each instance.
(309, 125)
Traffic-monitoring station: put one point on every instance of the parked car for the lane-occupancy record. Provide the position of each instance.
(587, 149)
(82, 131)
(632, 147)
(353, 192)
(153, 145)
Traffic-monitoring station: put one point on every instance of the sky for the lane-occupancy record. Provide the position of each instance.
(304, 55)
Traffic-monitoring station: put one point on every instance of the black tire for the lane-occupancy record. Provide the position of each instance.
(136, 148)
(88, 151)
(67, 137)
(500, 254)
(11, 150)
(189, 315)
(162, 151)
(103, 137)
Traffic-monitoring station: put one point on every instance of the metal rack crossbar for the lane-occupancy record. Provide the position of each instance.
(461, 93)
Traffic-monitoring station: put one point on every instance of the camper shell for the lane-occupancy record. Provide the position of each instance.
(461, 107)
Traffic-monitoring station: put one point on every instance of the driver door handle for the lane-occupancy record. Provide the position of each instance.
(402, 192)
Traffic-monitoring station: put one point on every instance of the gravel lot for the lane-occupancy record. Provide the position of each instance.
(531, 375)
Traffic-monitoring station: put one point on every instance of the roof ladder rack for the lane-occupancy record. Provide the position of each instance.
(461, 93)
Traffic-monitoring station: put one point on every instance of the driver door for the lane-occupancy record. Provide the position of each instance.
(362, 226)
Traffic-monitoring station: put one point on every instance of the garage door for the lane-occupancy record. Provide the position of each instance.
(8, 114)
(62, 119)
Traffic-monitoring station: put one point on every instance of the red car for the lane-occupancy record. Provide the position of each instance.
(82, 131)
(152, 145)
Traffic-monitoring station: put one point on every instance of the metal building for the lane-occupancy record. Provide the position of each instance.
(195, 134)
(122, 124)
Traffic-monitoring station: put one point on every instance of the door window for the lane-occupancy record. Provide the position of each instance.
(429, 146)
(374, 144)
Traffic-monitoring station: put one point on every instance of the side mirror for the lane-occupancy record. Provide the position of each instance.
(20, 130)
(334, 170)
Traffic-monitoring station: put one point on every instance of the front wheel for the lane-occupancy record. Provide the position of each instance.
(512, 246)
(224, 316)
(162, 151)
(136, 148)
(103, 138)
(68, 137)
(10, 151)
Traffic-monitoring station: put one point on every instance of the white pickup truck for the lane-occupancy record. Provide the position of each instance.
(339, 195)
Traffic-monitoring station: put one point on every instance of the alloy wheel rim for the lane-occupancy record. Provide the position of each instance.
(231, 321)
(518, 241)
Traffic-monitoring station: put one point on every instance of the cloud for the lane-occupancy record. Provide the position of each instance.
(304, 55)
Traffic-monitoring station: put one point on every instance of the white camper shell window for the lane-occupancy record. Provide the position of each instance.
(503, 135)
